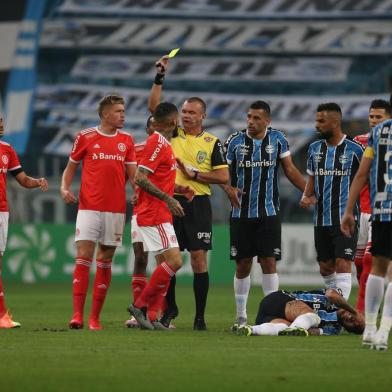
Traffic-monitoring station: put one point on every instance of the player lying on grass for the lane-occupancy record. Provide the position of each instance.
(316, 312)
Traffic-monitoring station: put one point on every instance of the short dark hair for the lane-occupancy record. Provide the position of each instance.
(329, 107)
(261, 105)
(381, 104)
(357, 329)
(149, 120)
(200, 101)
(163, 111)
(109, 100)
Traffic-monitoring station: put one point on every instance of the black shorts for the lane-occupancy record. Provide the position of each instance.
(332, 244)
(273, 306)
(255, 237)
(194, 230)
(382, 239)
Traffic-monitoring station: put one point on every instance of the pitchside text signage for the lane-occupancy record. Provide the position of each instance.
(255, 69)
(232, 8)
(324, 37)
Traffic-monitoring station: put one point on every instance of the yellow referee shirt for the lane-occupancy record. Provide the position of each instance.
(202, 152)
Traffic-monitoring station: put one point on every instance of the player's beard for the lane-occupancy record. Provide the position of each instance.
(326, 135)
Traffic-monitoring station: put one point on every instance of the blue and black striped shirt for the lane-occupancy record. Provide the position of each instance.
(380, 140)
(320, 303)
(333, 168)
(254, 167)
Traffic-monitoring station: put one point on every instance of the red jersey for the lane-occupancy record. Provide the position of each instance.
(103, 173)
(158, 158)
(9, 162)
(139, 148)
(364, 198)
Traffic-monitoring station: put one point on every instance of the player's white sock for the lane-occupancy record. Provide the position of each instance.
(269, 283)
(386, 319)
(330, 281)
(343, 282)
(271, 329)
(373, 297)
(241, 293)
(306, 321)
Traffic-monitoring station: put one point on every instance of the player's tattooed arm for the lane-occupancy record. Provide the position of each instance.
(141, 179)
(337, 300)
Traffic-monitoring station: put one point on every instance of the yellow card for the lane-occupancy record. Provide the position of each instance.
(173, 52)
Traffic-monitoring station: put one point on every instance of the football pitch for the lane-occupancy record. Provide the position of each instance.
(45, 356)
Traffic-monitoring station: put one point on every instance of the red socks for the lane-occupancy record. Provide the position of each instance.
(102, 280)
(156, 287)
(3, 309)
(367, 266)
(81, 277)
(139, 282)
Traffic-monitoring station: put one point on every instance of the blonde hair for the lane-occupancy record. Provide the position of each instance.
(109, 100)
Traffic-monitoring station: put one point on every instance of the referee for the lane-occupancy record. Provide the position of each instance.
(201, 162)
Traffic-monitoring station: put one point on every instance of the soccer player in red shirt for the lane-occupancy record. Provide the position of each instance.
(10, 163)
(156, 176)
(139, 277)
(107, 154)
(379, 111)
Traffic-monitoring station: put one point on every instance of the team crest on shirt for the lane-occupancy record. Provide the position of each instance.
(343, 158)
(208, 139)
(121, 147)
(4, 159)
(201, 156)
(269, 149)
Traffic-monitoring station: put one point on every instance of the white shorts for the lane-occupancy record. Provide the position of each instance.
(4, 215)
(365, 230)
(104, 227)
(135, 231)
(158, 238)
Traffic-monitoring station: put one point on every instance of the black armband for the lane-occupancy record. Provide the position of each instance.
(159, 77)
(15, 172)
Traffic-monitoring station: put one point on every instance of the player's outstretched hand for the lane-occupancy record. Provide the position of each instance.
(307, 201)
(162, 64)
(175, 207)
(43, 184)
(68, 196)
(347, 224)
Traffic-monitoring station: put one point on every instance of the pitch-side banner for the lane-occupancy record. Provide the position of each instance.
(326, 37)
(233, 8)
(318, 69)
(46, 253)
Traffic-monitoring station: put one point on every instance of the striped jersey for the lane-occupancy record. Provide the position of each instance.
(320, 303)
(253, 168)
(380, 146)
(333, 168)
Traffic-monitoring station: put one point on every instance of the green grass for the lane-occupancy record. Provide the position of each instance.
(120, 359)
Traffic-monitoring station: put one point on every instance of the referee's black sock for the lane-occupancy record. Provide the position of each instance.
(171, 294)
(200, 288)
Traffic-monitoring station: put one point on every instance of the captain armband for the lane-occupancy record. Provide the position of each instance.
(369, 153)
